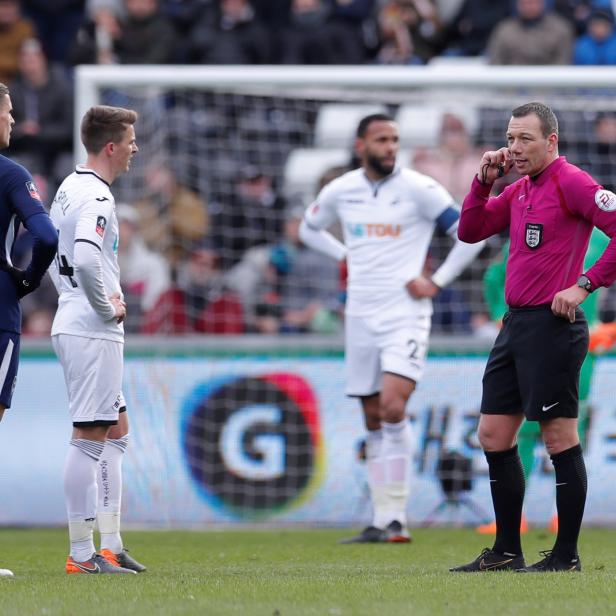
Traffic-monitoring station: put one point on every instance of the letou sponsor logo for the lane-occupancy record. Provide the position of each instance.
(374, 229)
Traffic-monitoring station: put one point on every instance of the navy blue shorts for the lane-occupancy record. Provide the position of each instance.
(534, 366)
(9, 361)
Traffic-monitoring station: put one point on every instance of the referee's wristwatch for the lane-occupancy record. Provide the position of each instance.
(584, 282)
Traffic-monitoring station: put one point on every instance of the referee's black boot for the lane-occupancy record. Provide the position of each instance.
(553, 562)
(489, 560)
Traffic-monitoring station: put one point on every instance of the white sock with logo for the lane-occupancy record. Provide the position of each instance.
(80, 491)
(110, 494)
(397, 453)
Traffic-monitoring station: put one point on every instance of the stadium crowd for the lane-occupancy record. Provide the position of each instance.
(197, 258)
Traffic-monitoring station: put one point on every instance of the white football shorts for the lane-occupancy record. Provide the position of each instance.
(384, 343)
(93, 375)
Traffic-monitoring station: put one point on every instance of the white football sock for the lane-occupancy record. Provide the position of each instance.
(110, 494)
(397, 452)
(376, 477)
(80, 491)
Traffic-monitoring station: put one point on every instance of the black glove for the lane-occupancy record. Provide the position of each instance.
(21, 282)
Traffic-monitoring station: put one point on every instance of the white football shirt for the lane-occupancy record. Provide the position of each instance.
(387, 228)
(83, 210)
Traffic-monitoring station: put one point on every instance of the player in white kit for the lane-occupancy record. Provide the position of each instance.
(388, 216)
(88, 338)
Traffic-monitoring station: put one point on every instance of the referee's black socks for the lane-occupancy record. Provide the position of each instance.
(507, 486)
(571, 486)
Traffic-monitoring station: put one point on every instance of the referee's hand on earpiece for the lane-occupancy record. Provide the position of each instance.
(494, 164)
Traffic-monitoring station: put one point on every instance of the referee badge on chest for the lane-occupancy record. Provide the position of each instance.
(534, 234)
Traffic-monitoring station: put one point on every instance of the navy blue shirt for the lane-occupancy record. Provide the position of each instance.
(20, 203)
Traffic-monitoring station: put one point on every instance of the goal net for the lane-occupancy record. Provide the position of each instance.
(229, 158)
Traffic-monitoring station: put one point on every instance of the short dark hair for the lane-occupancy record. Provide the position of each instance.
(103, 124)
(547, 118)
(4, 91)
(364, 123)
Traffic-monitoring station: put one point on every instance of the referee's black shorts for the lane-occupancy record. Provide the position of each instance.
(534, 366)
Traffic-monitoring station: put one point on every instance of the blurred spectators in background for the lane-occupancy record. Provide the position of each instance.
(57, 22)
(600, 158)
(210, 306)
(94, 40)
(286, 287)
(356, 21)
(145, 274)
(454, 162)
(140, 33)
(14, 30)
(184, 15)
(230, 34)
(409, 30)
(467, 33)
(37, 322)
(173, 218)
(575, 11)
(252, 216)
(42, 96)
(314, 37)
(146, 35)
(448, 8)
(535, 35)
(598, 45)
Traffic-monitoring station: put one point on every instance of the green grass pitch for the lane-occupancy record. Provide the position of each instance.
(302, 573)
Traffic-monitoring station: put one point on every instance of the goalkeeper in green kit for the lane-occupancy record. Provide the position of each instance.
(601, 338)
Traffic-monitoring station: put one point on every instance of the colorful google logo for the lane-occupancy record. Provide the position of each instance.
(253, 444)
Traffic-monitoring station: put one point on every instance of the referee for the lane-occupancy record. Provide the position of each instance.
(534, 367)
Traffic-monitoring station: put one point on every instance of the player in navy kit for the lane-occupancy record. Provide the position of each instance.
(20, 204)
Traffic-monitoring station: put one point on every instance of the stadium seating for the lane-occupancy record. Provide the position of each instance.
(337, 122)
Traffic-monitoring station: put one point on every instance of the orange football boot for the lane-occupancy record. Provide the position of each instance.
(490, 527)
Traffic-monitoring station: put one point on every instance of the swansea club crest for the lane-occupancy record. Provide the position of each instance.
(534, 234)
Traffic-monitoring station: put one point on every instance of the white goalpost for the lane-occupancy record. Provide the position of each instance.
(473, 80)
